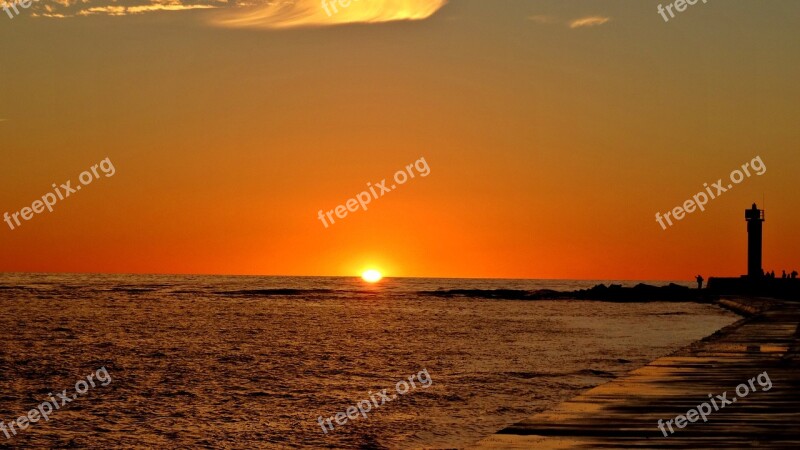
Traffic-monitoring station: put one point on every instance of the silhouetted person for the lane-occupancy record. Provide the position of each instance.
(794, 274)
(783, 275)
(699, 282)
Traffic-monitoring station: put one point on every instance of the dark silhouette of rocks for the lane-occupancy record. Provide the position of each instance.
(611, 293)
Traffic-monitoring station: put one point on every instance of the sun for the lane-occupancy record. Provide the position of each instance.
(371, 276)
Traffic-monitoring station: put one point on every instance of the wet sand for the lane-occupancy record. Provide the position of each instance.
(624, 413)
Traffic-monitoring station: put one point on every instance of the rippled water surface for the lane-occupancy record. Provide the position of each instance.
(252, 362)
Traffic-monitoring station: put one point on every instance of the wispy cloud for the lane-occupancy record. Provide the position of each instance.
(60, 9)
(252, 13)
(590, 21)
(541, 18)
(129, 10)
(311, 13)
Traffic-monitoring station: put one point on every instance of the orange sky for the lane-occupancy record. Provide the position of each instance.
(550, 147)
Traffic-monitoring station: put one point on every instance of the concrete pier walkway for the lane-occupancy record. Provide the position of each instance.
(624, 413)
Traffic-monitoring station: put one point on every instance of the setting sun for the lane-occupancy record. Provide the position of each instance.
(371, 276)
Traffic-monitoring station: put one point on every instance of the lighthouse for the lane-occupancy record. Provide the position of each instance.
(755, 221)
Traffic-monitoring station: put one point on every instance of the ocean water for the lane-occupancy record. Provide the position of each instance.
(252, 362)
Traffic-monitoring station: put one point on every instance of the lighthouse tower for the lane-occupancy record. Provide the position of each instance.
(755, 221)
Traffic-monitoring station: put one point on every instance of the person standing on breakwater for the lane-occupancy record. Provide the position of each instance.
(699, 281)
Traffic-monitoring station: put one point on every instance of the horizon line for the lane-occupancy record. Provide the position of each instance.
(335, 276)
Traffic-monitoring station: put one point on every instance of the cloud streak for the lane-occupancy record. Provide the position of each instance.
(129, 10)
(541, 18)
(589, 21)
(60, 9)
(311, 13)
(266, 14)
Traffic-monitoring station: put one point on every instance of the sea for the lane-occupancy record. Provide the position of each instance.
(246, 362)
